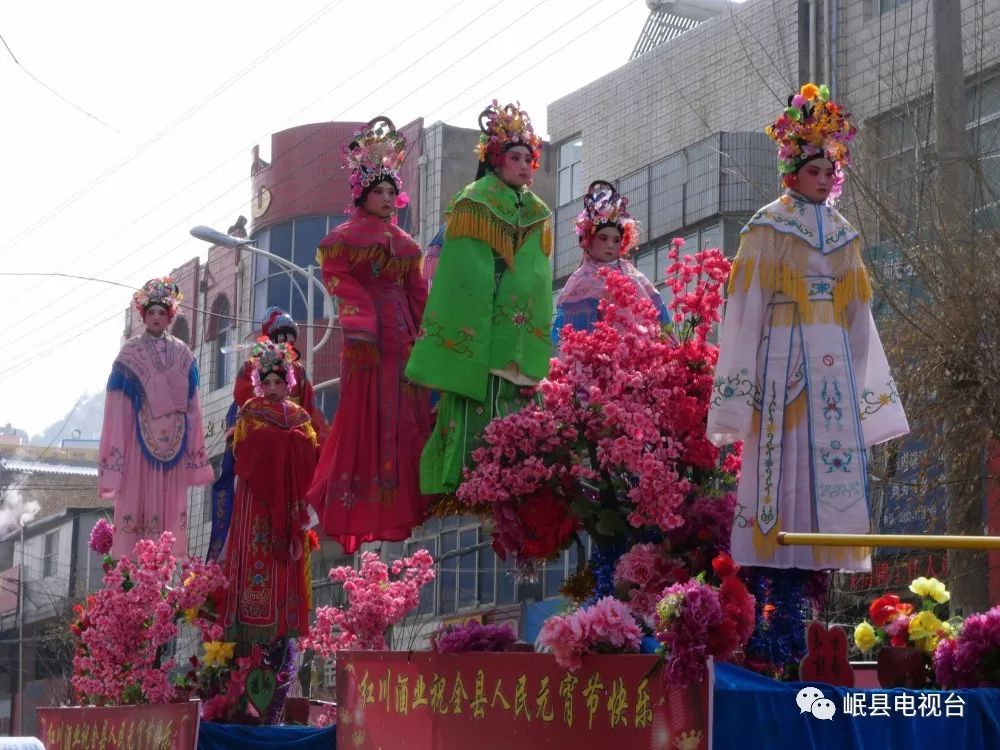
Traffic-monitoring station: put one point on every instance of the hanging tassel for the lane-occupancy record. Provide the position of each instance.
(473, 220)
(373, 254)
(854, 286)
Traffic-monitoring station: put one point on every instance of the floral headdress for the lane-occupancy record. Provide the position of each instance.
(276, 320)
(502, 129)
(604, 207)
(812, 127)
(163, 292)
(267, 357)
(375, 154)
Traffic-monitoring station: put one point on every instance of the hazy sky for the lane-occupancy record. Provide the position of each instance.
(184, 90)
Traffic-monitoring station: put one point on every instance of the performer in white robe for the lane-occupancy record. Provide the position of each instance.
(802, 377)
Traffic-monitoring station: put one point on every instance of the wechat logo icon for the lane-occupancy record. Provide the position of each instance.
(810, 700)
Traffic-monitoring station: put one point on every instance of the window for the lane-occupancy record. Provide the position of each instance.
(180, 330)
(50, 559)
(568, 186)
(224, 337)
(884, 6)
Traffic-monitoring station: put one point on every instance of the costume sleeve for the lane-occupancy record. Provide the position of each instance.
(243, 387)
(453, 344)
(199, 470)
(881, 412)
(735, 392)
(355, 307)
(117, 439)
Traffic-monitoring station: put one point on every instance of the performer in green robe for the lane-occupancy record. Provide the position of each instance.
(484, 338)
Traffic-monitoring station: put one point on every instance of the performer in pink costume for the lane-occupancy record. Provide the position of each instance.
(152, 441)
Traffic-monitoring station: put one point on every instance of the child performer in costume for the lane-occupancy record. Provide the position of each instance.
(485, 333)
(367, 481)
(802, 377)
(279, 327)
(152, 441)
(607, 234)
(266, 554)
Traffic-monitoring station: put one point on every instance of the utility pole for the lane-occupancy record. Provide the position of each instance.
(965, 436)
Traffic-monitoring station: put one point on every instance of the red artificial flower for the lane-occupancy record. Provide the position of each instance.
(313, 540)
(548, 524)
(886, 609)
(724, 566)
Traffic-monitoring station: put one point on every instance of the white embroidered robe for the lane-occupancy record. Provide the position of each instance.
(803, 380)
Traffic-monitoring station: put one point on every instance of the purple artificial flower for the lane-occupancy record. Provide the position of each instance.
(102, 537)
(472, 636)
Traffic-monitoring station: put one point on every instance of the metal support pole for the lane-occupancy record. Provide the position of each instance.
(20, 638)
(310, 320)
(923, 541)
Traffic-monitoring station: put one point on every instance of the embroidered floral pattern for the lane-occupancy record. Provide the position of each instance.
(871, 402)
(114, 461)
(457, 343)
(736, 386)
(836, 457)
(832, 397)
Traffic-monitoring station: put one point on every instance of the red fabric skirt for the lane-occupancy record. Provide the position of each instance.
(367, 483)
(268, 595)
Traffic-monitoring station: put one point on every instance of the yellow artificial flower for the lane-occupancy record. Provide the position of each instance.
(924, 625)
(864, 637)
(930, 588)
(218, 652)
(809, 91)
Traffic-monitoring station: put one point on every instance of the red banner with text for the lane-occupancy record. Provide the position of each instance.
(167, 726)
(425, 701)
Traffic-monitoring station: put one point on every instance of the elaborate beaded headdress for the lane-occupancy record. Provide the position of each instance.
(812, 127)
(502, 129)
(163, 292)
(375, 154)
(276, 320)
(604, 207)
(267, 357)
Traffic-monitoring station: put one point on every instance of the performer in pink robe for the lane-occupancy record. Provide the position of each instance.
(152, 440)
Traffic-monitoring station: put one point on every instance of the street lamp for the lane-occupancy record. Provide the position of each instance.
(215, 237)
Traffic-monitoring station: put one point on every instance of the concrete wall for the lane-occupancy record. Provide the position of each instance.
(731, 73)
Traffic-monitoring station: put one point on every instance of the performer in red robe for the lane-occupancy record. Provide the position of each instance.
(265, 557)
(367, 482)
(279, 327)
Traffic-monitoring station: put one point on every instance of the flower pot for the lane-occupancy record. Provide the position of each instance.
(296, 710)
(904, 667)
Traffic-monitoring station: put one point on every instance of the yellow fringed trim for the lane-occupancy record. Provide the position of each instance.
(772, 276)
(840, 557)
(765, 544)
(307, 428)
(244, 427)
(307, 571)
(356, 255)
(473, 220)
(853, 286)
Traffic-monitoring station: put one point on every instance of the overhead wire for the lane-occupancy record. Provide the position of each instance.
(242, 181)
(20, 236)
(51, 90)
(72, 334)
